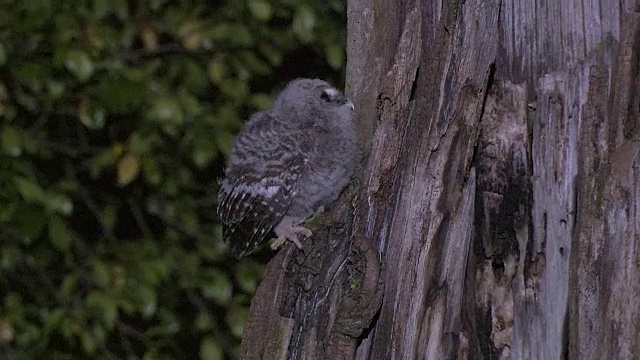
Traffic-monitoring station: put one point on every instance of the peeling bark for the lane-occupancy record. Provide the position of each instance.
(496, 212)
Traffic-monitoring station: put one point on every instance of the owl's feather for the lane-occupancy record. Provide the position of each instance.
(252, 199)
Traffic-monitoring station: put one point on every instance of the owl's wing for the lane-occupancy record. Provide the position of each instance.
(256, 194)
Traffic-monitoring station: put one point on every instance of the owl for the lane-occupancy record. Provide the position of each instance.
(286, 163)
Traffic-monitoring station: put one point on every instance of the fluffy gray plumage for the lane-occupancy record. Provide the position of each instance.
(285, 164)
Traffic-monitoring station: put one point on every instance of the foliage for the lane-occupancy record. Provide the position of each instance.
(116, 118)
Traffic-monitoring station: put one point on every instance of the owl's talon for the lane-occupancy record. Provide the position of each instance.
(286, 230)
(276, 243)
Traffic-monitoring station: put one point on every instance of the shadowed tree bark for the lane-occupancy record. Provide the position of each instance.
(496, 214)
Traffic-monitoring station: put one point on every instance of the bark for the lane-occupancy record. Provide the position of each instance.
(497, 211)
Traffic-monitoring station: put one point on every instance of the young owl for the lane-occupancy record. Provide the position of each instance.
(285, 164)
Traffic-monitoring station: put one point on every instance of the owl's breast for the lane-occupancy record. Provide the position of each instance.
(327, 171)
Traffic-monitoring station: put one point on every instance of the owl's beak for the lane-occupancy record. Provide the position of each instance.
(343, 100)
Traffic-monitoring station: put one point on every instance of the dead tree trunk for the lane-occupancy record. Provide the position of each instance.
(497, 211)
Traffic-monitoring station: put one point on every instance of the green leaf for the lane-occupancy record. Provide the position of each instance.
(101, 273)
(203, 321)
(261, 101)
(146, 298)
(255, 64)
(151, 355)
(168, 326)
(128, 169)
(104, 306)
(224, 141)
(237, 34)
(99, 332)
(151, 170)
(30, 144)
(28, 335)
(210, 350)
(156, 4)
(54, 319)
(29, 189)
(235, 88)
(204, 150)
(216, 286)
(304, 22)
(79, 64)
(273, 54)
(190, 104)
(236, 318)
(92, 116)
(120, 95)
(103, 160)
(110, 216)
(55, 88)
(59, 234)
(193, 74)
(190, 33)
(68, 285)
(260, 9)
(88, 343)
(33, 74)
(166, 110)
(335, 56)
(240, 35)
(59, 203)
(11, 141)
(140, 144)
(217, 70)
(248, 275)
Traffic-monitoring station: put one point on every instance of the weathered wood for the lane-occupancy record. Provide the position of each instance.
(495, 287)
(430, 78)
(314, 304)
(497, 211)
(605, 286)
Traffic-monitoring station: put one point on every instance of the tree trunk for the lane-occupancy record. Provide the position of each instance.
(497, 211)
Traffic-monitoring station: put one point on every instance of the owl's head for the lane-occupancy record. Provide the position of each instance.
(314, 98)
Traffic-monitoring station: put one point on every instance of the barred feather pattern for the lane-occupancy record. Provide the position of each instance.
(250, 206)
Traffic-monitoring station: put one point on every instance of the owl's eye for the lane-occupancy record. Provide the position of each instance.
(325, 96)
